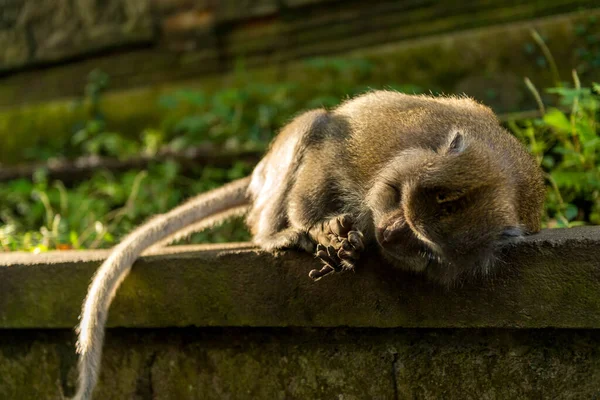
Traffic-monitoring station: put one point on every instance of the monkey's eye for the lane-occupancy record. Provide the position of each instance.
(450, 207)
(396, 192)
(445, 197)
(449, 202)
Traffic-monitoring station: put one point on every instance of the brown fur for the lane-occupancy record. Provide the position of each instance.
(441, 175)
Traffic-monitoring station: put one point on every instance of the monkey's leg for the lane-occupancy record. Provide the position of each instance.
(339, 245)
(289, 238)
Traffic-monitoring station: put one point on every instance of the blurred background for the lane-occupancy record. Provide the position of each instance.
(114, 110)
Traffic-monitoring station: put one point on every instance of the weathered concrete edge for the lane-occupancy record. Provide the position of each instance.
(548, 280)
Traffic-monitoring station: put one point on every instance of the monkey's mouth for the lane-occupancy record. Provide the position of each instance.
(424, 253)
(402, 246)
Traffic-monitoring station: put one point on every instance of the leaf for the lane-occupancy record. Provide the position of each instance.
(557, 120)
(592, 143)
(548, 162)
(169, 102)
(40, 248)
(585, 181)
(568, 180)
(585, 129)
(74, 239)
(108, 237)
(193, 97)
(193, 124)
(560, 224)
(568, 95)
(571, 212)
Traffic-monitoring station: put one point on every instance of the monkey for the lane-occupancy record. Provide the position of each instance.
(435, 184)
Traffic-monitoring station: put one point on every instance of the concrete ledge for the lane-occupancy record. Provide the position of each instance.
(549, 280)
(232, 322)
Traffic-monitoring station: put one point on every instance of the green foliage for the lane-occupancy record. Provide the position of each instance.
(41, 214)
(244, 115)
(237, 118)
(565, 141)
(588, 53)
(247, 114)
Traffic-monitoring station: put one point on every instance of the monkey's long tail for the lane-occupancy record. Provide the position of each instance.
(202, 225)
(117, 266)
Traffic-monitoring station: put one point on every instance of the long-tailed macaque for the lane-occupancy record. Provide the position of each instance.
(435, 184)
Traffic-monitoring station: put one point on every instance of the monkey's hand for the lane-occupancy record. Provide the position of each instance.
(338, 245)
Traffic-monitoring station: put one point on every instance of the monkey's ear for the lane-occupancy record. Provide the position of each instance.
(457, 144)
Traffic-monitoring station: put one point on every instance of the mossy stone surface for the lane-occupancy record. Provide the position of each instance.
(306, 363)
(551, 279)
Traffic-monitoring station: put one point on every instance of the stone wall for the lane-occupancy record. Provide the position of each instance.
(214, 322)
(142, 42)
(34, 32)
(486, 63)
(316, 363)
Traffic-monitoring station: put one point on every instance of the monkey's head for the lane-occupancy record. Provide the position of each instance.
(445, 211)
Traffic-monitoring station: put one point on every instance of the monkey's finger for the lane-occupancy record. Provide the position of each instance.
(334, 260)
(348, 255)
(335, 241)
(346, 246)
(319, 235)
(341, 225)
(322, 252)
(329, 257)
(348, 265)
(346, 221)
(332, 252)
(315, 275)
(356, 239)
